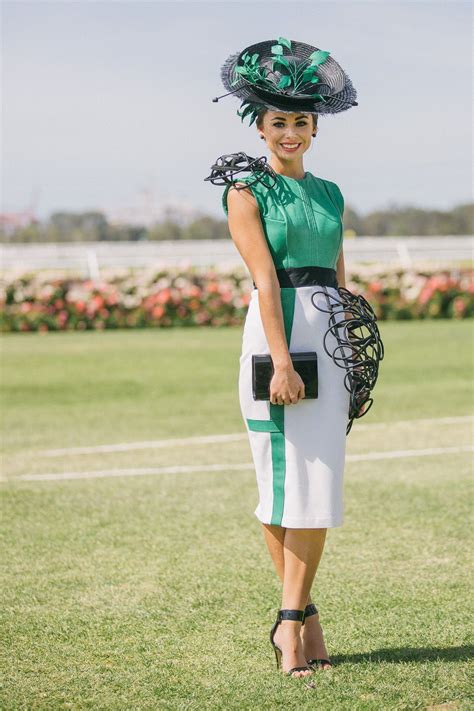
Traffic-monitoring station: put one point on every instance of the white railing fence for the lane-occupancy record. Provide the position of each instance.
(91, 257)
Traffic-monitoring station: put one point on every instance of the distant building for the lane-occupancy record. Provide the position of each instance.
(11, 221)
(147, 210)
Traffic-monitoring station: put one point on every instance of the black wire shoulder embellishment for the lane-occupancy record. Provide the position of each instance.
(356, 334)
(227, 168)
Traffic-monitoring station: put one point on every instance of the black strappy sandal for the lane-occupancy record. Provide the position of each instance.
(298, 616)
(311, 609)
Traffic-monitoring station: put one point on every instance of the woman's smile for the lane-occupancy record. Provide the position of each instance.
(290, 147)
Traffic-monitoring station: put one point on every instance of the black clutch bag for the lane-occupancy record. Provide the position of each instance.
(305, 364)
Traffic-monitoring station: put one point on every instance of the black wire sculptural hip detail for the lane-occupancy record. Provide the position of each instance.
(359, 346)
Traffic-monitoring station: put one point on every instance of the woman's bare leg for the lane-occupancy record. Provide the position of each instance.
(311, 632)
(274, 537)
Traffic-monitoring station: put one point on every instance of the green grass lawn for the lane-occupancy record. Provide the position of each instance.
(155, 590)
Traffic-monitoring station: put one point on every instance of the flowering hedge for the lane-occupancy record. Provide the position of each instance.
(41, 301)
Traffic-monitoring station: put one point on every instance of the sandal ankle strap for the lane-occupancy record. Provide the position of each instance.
(309, 610)
(296, 615)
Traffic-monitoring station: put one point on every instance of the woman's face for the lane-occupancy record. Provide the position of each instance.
(287, 135)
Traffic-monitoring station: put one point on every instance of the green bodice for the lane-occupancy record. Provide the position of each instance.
(301, 219)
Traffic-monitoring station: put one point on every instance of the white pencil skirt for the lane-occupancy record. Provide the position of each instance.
(299, 449)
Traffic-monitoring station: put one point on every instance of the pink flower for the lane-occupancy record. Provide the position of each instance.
(157, 312)
(226, 297)
(374, 287)
(425, 295)
(202, 317)
(163, 296)
(459, 306)
(97, 302)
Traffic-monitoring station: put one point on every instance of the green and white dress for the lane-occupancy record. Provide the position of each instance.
(299, 449)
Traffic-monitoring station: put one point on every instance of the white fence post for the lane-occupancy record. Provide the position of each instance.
(92, 265)
(404, 254)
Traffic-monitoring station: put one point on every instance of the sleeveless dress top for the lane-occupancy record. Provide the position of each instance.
(301, 219)
(298, 450)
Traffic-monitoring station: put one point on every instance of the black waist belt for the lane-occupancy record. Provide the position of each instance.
(306, 276)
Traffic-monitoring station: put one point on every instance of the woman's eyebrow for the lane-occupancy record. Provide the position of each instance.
(281, 118)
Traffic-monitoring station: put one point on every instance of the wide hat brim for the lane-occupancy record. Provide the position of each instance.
(334, 86)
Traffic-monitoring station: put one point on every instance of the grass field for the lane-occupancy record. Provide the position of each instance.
(130, 586)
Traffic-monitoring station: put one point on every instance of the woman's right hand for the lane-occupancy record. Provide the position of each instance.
(286, 386)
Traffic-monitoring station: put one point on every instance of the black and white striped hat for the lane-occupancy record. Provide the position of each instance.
(289, 76)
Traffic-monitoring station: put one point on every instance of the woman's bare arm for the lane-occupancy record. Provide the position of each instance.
(341, 270)
(341, 277)
(246, 230)
(247, 233)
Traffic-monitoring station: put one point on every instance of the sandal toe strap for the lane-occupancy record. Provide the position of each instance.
(319, 661)
(303, 668)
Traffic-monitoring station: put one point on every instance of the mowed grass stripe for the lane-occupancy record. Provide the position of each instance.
(233, 437)
(61, 476)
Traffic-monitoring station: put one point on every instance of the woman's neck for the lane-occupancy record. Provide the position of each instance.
(290, 170)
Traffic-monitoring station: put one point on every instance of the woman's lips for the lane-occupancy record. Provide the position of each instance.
(290, 150)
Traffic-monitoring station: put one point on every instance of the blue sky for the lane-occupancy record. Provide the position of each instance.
(102, 100)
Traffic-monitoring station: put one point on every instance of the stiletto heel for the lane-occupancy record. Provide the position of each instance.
(308, 611)
(277, 651)
(297, 615)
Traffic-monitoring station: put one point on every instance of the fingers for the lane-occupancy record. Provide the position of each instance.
(299, 395)
(289, 396)
(276, 399)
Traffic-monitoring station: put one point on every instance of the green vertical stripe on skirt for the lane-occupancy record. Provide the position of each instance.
(277, 415)
(276, 424)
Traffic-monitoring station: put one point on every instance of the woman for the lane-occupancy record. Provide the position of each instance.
(290, 237)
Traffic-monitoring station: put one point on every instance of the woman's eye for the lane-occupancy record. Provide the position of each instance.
(298, 123)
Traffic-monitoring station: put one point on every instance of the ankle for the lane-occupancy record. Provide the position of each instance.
(291, 628)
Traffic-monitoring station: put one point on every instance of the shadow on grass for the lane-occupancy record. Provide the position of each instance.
(409, 654)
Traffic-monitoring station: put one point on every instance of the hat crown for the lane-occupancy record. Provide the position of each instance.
(282, 66)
